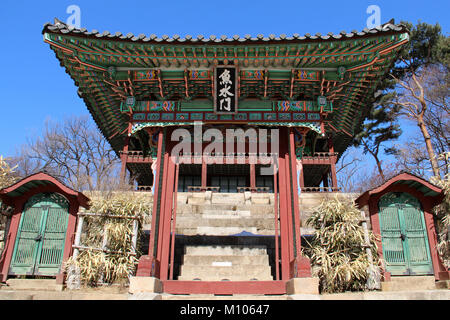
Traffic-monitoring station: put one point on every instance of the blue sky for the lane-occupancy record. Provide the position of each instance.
(34, 88)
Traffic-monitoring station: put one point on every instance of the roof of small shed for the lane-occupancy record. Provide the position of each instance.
(404, 178)
(37, 180)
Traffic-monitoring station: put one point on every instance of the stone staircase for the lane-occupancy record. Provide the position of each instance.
(226, 263)
(225, 214)
(213, 230)
(223, 236)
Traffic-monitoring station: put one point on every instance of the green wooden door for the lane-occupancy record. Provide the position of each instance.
(41, 236)
(404, 236)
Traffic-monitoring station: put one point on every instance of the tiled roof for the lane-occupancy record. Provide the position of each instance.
(60, 27)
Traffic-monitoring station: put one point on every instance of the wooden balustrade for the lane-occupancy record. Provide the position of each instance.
(202, 189)
(254, 189)
(320, 189)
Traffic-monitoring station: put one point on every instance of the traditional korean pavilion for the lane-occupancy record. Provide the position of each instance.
(316, 90)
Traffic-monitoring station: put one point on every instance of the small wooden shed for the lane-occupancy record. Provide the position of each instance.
(401, 215)
(41, 229)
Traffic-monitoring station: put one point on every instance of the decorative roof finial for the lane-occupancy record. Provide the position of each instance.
(58, 22)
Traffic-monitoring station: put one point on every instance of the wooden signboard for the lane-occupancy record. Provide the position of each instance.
(225, 95)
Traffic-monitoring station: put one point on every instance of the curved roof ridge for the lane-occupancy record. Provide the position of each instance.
(60, 27)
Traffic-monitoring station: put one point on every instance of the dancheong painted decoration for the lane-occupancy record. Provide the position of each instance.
(132, 84)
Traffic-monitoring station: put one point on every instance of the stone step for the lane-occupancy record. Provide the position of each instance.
(218, 201)
(223, 231)
(232, 277)
(32, 284)
(225, 271)
(191, 222)
(224, 297)
(261, 200)
(229, 250)
(223, 216)
(53, 295)
(227, 212)
(234, 273)
(200, 208)
(409, 283)
(210, 260)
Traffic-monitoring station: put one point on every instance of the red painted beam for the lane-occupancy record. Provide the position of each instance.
(224, 287)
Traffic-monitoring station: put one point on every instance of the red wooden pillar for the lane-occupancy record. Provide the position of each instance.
(70, 237)
(283, 218)
(290, 222)
(163, 214)
(148, 265)
(204, 174)
(166, 217)
(123, 159)
(124, 155)
(252, 176)
(302, 176)
(376, 229)
(174, 220)
(332, 164)
(440, 271)
(5, 260)
(162, 211)
(276, 195)
(302, 267)
(285, 205)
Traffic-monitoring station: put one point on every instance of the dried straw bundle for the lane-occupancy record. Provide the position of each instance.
(337, 251)
(112, 232)
(442, 214)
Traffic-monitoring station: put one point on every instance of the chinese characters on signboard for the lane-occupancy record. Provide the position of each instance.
(225, 98)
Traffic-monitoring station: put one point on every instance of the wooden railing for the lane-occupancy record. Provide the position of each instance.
(202, 189)
(136, 156)
(320, 189)
(243, 189)
(144, 188)
(254, 189)
(263, 158)
(320, 158)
